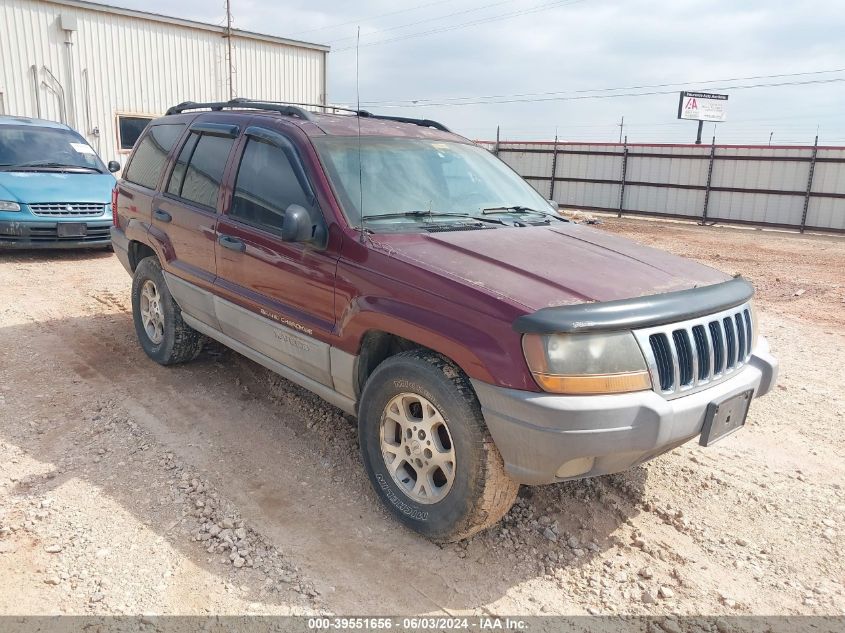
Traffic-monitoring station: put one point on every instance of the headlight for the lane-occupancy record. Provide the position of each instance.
(586, 363)
(6, 205)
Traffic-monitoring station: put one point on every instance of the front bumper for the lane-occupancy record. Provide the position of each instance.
(544, 438)
(44, 234)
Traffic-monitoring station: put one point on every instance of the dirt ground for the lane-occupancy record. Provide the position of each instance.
(217, 487)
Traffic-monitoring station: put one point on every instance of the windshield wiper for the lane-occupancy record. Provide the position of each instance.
(53, 165)
(433, 214)
(416, 214)
(513, 209)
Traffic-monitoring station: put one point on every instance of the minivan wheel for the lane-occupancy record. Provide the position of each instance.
(163, 334)
(427, 451)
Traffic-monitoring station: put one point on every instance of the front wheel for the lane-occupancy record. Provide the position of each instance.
(162, 332)
(427, 450)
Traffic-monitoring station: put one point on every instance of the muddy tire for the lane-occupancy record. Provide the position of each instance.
(163, 334)
(427, 450)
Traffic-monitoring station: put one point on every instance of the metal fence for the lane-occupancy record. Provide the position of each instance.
(799, 187)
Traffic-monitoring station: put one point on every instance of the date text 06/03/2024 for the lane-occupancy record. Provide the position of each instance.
(418, 623)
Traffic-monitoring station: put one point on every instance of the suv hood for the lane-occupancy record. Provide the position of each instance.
(539, 267)
(36, 186)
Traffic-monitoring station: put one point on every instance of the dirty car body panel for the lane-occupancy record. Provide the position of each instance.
(305, 309)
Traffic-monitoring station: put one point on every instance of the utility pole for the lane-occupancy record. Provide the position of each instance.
(621, 125)
(554, 170)
(228, 37)
(771, 134)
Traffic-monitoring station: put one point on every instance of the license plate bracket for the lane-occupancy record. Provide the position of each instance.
(71, 229)
(725, 417)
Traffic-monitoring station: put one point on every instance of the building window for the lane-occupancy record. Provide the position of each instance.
(129, 130)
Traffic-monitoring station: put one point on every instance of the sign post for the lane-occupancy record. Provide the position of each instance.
(701, 107)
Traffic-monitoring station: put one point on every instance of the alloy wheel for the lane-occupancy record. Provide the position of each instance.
(417, 448)
(152, 315)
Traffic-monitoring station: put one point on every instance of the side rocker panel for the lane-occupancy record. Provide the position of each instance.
(193, 301)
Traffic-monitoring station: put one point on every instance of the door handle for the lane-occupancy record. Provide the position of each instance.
(232, 243)
(164, 216)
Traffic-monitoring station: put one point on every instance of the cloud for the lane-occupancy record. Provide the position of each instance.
(591, 44)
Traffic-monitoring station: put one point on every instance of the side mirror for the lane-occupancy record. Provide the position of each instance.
(554, 205)
(297, 225)
(113, 166)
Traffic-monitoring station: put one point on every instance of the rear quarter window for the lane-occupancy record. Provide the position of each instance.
(150, 156)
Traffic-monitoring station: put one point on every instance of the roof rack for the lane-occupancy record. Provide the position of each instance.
(297, 110)
(216, 106)
(247, 102)
(401, 119)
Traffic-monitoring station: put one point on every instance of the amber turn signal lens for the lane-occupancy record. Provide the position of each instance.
(602, 383)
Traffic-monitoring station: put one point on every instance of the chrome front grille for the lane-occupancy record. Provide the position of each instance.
(67, 209)
(692, 355)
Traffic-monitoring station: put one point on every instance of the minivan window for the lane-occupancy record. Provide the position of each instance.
(266, 185)
(151, 154)
(29, 147)
(199, 169)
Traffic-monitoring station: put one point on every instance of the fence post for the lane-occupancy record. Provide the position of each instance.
(809, 183)
(496, 147)
(709, 180)
(624, 172)
(554, 172)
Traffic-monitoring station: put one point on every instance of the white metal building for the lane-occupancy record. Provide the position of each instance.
(106, 71)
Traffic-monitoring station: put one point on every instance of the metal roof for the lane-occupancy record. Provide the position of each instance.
(156, 17)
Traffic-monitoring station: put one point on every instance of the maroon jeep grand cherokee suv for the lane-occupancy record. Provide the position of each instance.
(412, 279)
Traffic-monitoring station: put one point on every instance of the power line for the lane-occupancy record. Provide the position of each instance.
(423, 101)
(502, 16)
(433, 19)
(741, 124)
(617, 96)
(372, 17)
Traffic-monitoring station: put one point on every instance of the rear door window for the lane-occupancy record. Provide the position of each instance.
(266, 185)
(150, 157)
(174, 187)
(199, 169)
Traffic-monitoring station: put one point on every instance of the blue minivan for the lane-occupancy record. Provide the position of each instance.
(55, 192)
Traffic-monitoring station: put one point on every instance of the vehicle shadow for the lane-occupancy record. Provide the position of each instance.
(54, 255)
(288, 462)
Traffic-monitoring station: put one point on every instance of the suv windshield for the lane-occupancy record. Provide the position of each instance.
(406, 179)
(37, 148)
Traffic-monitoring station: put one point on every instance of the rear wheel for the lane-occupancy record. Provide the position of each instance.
(427, 450)
(162, 332)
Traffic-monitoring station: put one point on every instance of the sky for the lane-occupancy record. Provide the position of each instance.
(575, 68)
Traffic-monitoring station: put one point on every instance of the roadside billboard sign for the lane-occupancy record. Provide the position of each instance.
(702, 106)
